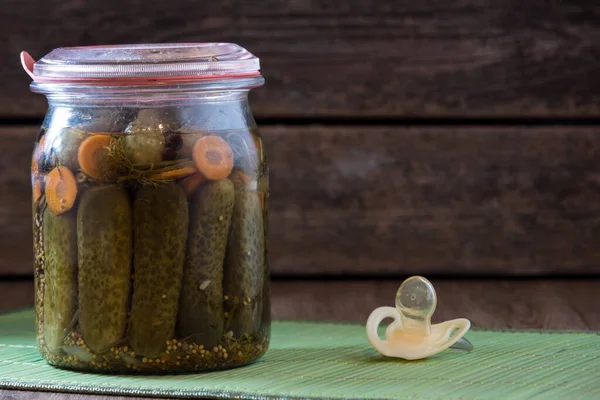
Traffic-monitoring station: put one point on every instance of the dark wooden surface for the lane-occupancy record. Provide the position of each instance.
(393, 200)
(488, 303)
(358, 59)
(16, 246)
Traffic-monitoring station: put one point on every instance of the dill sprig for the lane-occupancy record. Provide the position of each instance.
(145, 174)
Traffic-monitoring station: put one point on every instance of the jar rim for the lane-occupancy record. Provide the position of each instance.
(143, 64)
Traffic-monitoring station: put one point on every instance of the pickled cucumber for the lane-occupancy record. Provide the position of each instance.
(244, 274)
(263, 187)
(160, 119)
(60, 294)
(201, 304)
(39, 261)
(145, 148)
(160, 216)
(64, 148)
(145, 142)
(104, 239)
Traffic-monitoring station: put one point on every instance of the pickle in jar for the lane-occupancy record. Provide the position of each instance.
(263, 192)
(62, 147)
(104, 243)
(60, 276)
(244, 274)
(145, 141)
(201, 315)
(160, 217)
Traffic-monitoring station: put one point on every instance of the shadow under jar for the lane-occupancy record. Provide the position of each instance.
(150, 197)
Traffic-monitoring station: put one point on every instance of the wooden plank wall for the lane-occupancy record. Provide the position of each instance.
(457, 139)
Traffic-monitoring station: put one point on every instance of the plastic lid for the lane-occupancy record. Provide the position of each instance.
(143, 61)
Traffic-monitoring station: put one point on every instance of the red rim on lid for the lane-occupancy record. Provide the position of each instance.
(142, 63)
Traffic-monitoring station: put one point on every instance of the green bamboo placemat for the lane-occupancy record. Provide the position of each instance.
(323, 360)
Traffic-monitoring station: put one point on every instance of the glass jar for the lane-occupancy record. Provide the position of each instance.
(150, 192)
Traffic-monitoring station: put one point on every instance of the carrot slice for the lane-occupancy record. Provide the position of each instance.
(213, 157)
(35, 169)
(36, 183)
(190, 183)
(37, 158)
(92, 156)
(37, 190)
(61, 190)
(175, 173)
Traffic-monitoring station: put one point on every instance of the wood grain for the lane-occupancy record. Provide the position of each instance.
(388, 200)
(497, 304)
(447, 200)
(465, 58)
(16, 246)
(15, 295)
(488, 303)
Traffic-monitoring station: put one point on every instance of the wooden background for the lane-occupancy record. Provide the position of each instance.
(457, 139)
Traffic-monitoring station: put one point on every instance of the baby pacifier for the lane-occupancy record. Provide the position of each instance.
(412, 336)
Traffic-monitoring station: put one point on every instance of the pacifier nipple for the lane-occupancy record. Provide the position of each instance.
(416, 301)
(412, 336)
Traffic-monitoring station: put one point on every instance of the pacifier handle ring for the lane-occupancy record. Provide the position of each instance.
(378, 315)
(462, 324)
